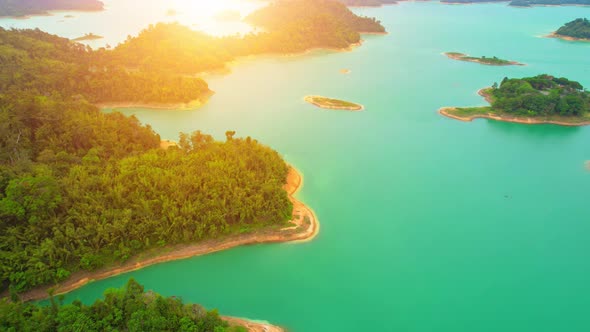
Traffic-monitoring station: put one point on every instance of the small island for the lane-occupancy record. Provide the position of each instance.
(530, 100)
(576, 30)
(333, 104)
(88, 36)
(493, 61)
(345, 71)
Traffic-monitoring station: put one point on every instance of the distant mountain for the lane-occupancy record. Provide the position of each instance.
(526, 3)
(368, 3)
(33, 7)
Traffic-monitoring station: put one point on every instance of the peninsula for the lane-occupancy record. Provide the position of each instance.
(302, 226)
(576, 30)
(531, 100)
(333, 104)
(493, 61)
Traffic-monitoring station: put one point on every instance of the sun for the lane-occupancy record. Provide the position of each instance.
(208, 8)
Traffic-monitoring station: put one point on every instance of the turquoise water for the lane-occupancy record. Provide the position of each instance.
(122, 18)
(427, 223)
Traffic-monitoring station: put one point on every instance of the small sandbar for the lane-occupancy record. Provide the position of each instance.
(345, 71)
(493, 61)
(333, 104)
(252, 326)
(88, 36)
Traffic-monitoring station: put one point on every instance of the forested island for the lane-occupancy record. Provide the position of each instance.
(130, 308)
(578, 29)
(36, 7)
(493, 61)
(333, 104)
(531, 100)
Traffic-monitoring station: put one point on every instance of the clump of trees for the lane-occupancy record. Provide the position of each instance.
(579, 28)
(42, 64)
(541, 95)
(127, 309)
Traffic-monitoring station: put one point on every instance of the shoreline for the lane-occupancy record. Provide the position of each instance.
(311, 99)
(445, 111)
(465, 58)
(301, 212)
(252, 326)
(568, 38)
(191, 105)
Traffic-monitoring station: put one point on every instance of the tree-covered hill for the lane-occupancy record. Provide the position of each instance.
(171, 47)
(127, 309)
(283, 13)
(579, 28)
(32, 7)
(45, 64)
(541, 95)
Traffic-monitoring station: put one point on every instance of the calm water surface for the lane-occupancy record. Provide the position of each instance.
(428, 224)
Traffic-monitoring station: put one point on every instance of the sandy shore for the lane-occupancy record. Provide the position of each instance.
(445, 112)
(555, 35)
(311, 100)
(305, 227)
(463, 57)
(159, 106)
(252, 326)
